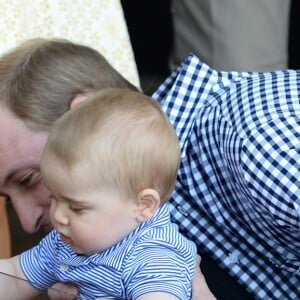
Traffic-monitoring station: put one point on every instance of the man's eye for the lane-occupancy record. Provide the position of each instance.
(30, 179)
(26, 180)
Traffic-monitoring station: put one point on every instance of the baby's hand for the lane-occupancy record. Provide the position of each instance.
(63, 291)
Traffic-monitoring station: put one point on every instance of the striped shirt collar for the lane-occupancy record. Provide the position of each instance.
(114, 256)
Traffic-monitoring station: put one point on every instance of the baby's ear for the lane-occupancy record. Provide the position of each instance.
(148, 202)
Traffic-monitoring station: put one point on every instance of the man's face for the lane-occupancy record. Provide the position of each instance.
(20, 179)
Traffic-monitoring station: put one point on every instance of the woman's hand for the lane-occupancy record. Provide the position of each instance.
(63, 291)
(200, 290)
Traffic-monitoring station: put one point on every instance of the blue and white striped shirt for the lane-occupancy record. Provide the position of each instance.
(153, 258)
(238, 189)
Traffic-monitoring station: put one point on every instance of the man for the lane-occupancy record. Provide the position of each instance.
(237, 192)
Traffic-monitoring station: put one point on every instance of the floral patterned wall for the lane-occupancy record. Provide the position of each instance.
(96, 23)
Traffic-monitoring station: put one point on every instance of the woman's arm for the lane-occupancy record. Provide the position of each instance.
(13, 284)
(200, 290)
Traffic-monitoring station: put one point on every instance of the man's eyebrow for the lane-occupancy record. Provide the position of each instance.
(11, 174)
(15, 171)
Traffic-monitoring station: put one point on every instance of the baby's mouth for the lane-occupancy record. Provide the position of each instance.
(65, 239)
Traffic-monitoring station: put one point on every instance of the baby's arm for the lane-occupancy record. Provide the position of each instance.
(10, 287)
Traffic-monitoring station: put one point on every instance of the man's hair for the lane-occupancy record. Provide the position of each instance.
(39, 78)
(123, 137)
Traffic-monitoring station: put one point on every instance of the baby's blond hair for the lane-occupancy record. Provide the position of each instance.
(123, 137)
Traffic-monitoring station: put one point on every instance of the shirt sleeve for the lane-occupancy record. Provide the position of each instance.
(159, 270)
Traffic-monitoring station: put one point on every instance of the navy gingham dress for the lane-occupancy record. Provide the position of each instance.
(237, 194)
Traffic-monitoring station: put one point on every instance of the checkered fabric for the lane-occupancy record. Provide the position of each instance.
(238, 189)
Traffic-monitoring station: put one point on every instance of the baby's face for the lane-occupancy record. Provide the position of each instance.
(89, 215)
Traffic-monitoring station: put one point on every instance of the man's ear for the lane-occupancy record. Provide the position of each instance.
(148, 202)
(77, 99)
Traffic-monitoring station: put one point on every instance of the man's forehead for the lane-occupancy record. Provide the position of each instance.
(19, 149)
(11, 129)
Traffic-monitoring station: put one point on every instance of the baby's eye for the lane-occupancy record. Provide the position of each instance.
(76, 209)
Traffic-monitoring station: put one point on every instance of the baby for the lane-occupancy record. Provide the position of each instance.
(110, 164)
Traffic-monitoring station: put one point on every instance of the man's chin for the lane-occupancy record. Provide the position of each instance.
(47, 227)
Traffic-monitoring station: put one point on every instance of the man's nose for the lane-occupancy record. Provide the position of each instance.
(30, 215)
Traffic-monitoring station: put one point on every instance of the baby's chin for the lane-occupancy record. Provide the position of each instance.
(82, 252)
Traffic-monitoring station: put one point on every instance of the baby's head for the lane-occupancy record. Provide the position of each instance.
(109, 163)
(123, 138)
